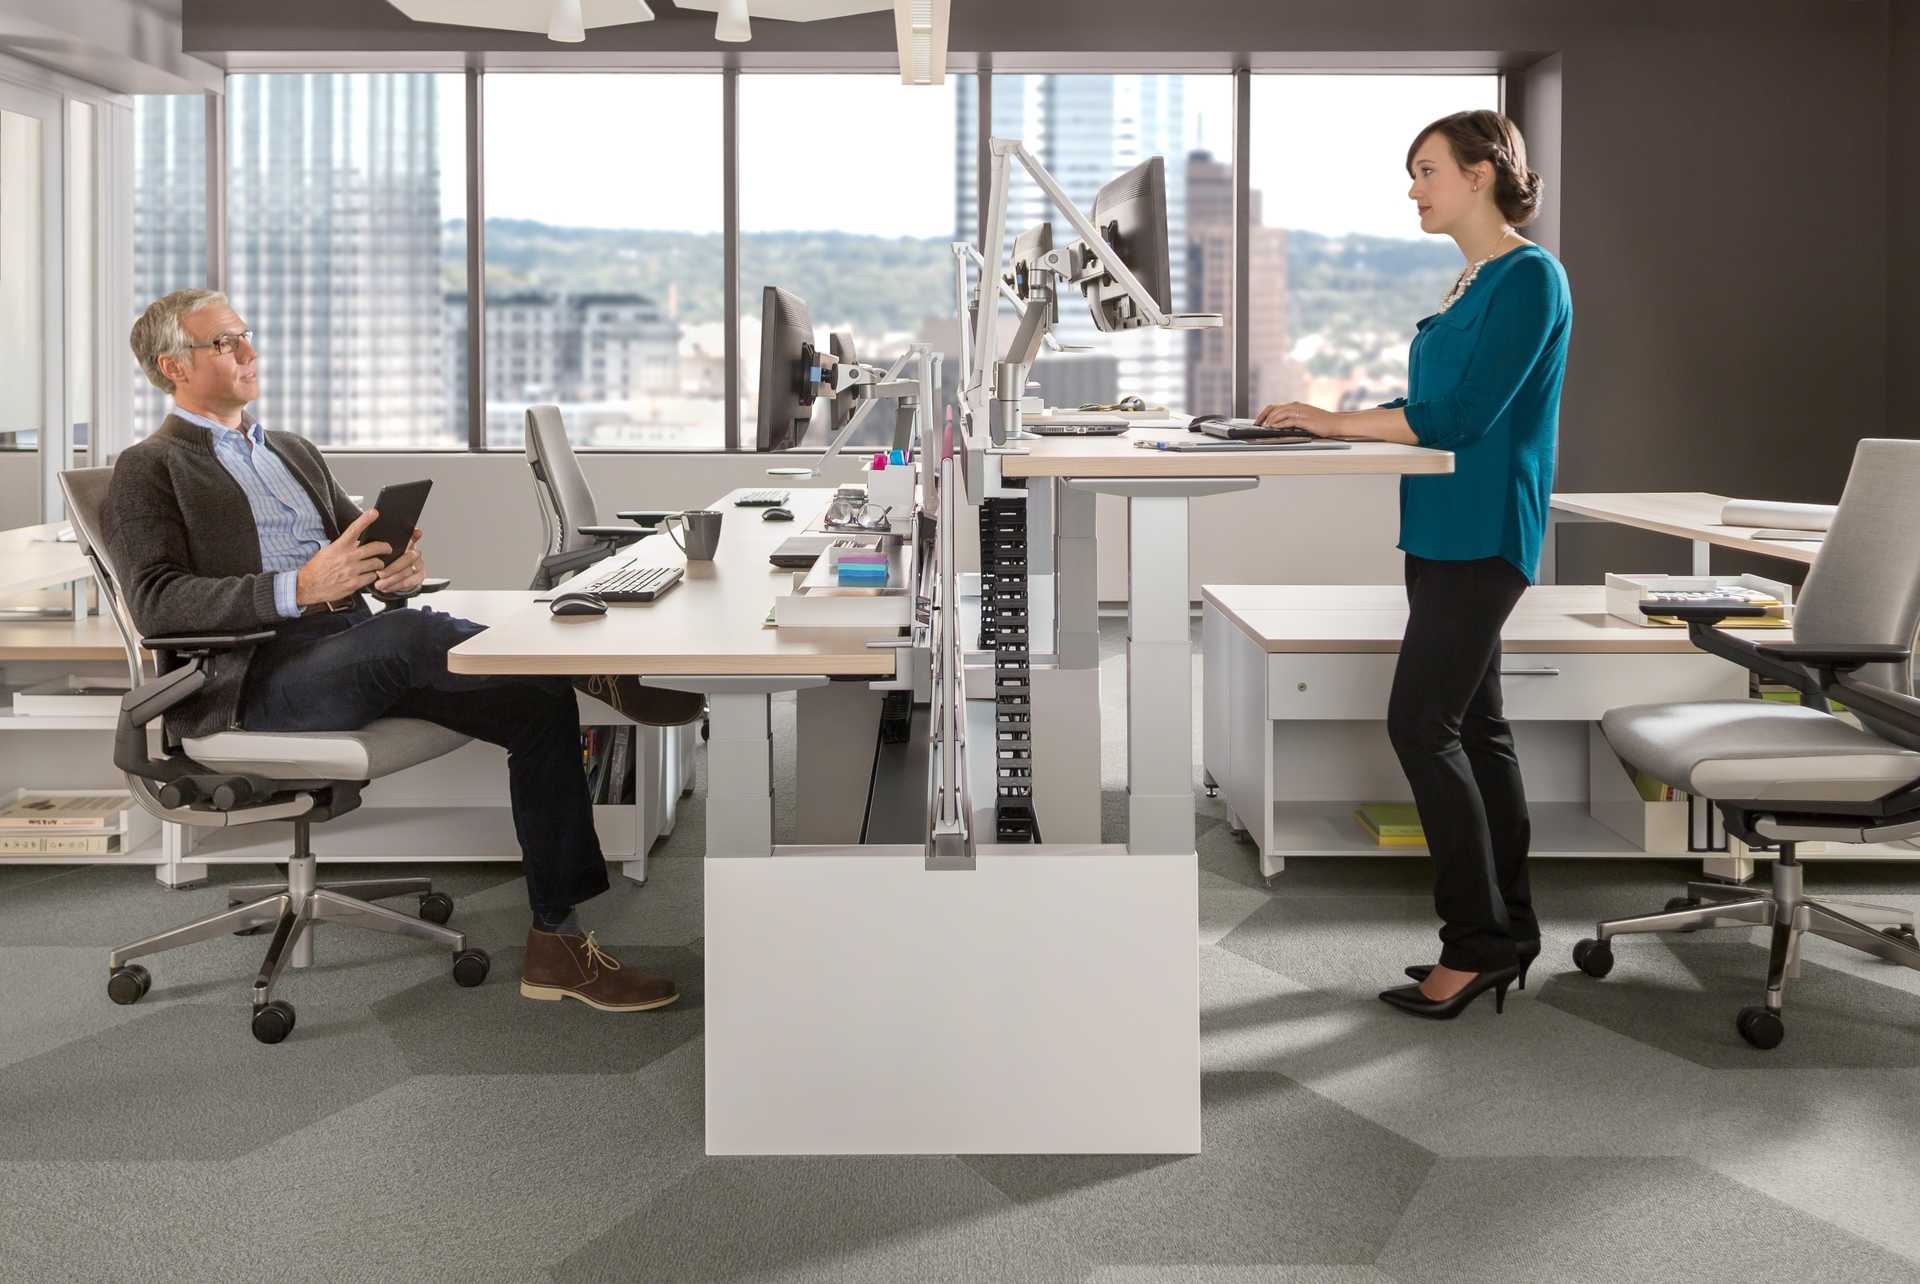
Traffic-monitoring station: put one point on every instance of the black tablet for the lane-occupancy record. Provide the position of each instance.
(399, 507)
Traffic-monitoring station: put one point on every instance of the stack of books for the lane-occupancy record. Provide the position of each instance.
(72, 822)
(1392, 824)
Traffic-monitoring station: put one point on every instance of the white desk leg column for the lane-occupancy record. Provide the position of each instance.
(1160, 655)
(739, 757)
(1702, 557)
(1066, 698)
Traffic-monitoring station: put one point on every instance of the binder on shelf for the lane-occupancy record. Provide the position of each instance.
(1392, 824)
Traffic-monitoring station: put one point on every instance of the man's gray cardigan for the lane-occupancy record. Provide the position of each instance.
(181, 535)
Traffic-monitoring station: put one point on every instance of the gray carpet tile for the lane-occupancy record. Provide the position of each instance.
(1224, 905)
(1531, 1081)
(1286, 1176)
(1238, 1275)
(833, 1220)
(1680, 993)
(1606, 1219)
(189, 1082)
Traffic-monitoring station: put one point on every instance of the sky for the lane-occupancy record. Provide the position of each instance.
(866, 154)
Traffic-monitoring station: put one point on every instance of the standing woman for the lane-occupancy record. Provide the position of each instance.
(1483, 382)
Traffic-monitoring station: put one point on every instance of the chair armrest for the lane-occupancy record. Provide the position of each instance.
(207, 642)
(431, 585)
(618, 534)
(1701, 631)
(1891, 707)
(646, 516)
(1825, 655)
(1702, 612)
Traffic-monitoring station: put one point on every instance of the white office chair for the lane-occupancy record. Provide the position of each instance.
(574, 538)
(249, 777)
(1786, 774)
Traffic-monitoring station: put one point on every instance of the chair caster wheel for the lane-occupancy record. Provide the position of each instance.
(436, 907)
(1679, 903)
(1595, 958)
(1213, 791)
(273, 1022)
(1904, 935)
(1760, 1027)
(706, 728)
(470, 967)
(129, 984)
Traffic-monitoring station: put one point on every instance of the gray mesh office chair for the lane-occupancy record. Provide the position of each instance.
(574, 538)
(1787, 774)
(249, 777)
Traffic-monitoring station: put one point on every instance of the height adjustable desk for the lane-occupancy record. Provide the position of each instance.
(1045, 1000)
(1692, 515)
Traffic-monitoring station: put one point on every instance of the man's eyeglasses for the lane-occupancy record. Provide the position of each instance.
(227, 344)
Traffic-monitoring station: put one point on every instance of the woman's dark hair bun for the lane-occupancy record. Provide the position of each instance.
(1476, 136)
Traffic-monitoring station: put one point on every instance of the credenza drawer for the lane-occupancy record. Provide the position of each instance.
(1538, 686)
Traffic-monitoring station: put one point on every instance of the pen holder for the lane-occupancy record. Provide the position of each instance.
(891, 487)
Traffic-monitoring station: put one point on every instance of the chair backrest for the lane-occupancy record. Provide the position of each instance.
(1865, 584)
(565, 499)
(86, 491)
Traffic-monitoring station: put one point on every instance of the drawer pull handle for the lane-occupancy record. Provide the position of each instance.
(1533, 671)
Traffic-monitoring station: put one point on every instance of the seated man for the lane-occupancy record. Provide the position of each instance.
(220, 526)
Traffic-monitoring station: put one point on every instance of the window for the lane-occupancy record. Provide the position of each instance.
(344, 192)
(1340, 269)
(1088, 129)
(847, 199)
(169, 219)
(603, 194)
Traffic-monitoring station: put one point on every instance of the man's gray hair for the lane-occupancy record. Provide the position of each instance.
(158, 333)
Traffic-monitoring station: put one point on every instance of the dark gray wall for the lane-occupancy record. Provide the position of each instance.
(1737, 189)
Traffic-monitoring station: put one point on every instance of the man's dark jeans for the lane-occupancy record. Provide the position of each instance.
(338, 672)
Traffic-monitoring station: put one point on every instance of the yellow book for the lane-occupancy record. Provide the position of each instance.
(1392, 824)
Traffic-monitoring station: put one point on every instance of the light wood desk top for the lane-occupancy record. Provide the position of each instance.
(30, 559)
(1119, 457)
(1373, 617)
(93, 638)
(1688, 514)
(713, 622)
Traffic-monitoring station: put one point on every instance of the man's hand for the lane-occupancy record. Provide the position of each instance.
(1298, 414)
(407, 571)
(343, 567)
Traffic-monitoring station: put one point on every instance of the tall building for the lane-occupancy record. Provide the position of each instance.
(1272, 374)
(1087, 129)
(333, 201)
(169, 217)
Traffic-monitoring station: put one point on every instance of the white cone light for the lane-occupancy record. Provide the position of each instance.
(566, 24)
(732, 25)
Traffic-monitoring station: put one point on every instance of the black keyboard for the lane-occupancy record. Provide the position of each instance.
(634, 583)
(1245, 430)
(762, 499)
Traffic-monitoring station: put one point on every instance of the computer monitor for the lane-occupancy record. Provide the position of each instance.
(840, 343)
(1130, 213)
(789, 369)
(1028, 247)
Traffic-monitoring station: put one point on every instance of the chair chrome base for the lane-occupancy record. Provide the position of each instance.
(295, 910)
(1791, 914)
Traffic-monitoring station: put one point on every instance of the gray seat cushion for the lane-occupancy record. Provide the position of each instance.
(1756, 750)
(380, 748)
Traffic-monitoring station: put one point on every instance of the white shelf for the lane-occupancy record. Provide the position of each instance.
(1329, 829)
(393, 834)
(11, 721)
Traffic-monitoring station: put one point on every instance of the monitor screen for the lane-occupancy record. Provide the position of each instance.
(1130, 213)
(789, 369)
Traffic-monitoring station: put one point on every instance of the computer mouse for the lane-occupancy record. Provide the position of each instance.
(776, 515)
(578, 604)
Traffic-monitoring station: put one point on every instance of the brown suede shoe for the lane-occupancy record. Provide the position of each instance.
(575, 967)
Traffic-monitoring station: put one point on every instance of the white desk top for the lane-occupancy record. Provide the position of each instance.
(1373, 617)
(713, 622)
(1119, 457)
(1688, 514)
(30, 560)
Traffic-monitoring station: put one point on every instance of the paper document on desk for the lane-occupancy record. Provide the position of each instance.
(1777, 513)
(64, 535)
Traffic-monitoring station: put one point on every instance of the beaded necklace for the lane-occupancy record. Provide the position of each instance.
(1472, 270)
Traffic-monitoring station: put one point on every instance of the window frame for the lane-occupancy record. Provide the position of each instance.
(1241, 75)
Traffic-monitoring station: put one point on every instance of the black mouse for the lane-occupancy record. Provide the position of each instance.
(578, 603)
(776, 515)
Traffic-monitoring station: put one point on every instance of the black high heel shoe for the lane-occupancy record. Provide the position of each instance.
(1409, 999)
(1528, 953)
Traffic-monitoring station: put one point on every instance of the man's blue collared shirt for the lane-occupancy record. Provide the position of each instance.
(283, 512)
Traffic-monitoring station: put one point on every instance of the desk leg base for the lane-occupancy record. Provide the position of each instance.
(1046, 1002)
